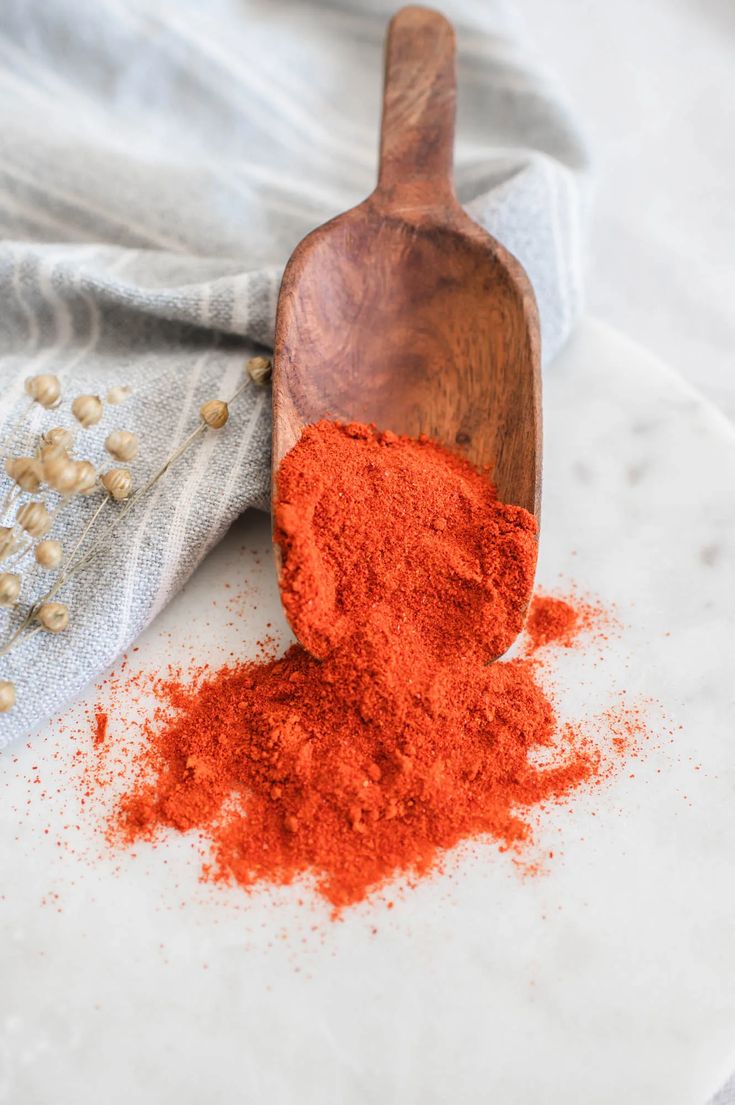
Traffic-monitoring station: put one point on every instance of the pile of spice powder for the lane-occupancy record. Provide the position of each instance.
(393, 738)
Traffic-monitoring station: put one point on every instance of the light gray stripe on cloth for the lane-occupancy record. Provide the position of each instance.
(161, 159)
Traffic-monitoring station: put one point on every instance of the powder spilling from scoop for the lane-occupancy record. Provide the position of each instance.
(405, 575)
(559, 621)
(381, 533)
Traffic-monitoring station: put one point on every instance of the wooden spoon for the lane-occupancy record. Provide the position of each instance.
(403, 311)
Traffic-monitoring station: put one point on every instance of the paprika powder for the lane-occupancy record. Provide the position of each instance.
(393, 738)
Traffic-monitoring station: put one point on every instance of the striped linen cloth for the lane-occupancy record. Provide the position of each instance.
(160, 160)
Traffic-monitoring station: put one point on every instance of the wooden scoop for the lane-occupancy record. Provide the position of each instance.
(403, 311)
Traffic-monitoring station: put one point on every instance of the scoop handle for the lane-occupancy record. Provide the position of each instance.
(419, 106)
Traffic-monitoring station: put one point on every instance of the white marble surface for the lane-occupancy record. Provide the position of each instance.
(607, 980)
(651, 85)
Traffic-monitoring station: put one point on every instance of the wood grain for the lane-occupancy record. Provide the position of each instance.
(403, 311)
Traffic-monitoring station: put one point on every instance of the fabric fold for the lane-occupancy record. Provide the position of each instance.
(161, 161)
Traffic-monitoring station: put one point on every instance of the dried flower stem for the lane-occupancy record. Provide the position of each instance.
(12, 641)
(71, 567)
(102, 541)
(10, 498)
(11, 559)
(58, 584)
(20, 553)
(170, 460)
(85, 531)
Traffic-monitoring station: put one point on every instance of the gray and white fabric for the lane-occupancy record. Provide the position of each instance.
(160, 160)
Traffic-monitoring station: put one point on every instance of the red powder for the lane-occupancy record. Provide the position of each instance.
(406, 575)
(560, 621)
(299, 766)
(100, 727)
(380, 532)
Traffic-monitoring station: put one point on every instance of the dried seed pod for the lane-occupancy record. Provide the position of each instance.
(53, 616)
(7, 696)
(122, 445)
(7, 541)
(44, 389)
(34, 518)
(118, 483)
(215, 413)
(60, 473)
(86, 477)
(59, 436)
(52, 457)
(9, 588)
(118, 395)
(48, 553)
(87, 409)
(259, 369)
(27, 472)
(51, 452)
